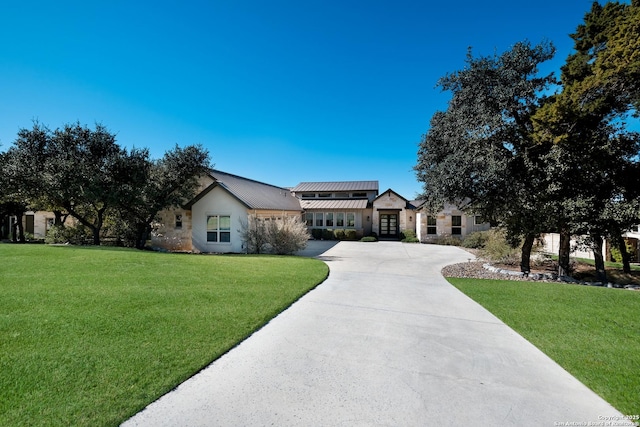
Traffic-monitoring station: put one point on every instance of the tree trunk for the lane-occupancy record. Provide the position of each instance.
(563, 253)
(622, 247)
(525, 259)
(599, 258)
(59, 221)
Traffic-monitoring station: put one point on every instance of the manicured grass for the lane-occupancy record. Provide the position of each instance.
(594, 333)
(90, 336)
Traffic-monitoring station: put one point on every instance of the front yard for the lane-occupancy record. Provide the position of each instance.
(90, 336)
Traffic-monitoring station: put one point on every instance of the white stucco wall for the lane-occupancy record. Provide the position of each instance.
(217, 202)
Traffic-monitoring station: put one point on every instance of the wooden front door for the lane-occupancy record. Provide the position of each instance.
(388, 225)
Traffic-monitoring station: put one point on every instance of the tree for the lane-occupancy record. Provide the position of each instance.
(480, 152)
(168, 182)
(592, 160)
(74, 169)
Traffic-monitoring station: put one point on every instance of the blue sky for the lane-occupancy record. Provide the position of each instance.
(278, 91)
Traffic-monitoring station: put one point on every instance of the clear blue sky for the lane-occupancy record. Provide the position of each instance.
(278, 91)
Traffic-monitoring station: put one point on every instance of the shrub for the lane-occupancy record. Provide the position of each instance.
(280, 236)
(447, 240)
(339, 234)
(316, 233)
(254, 234)
(498, 249)
(616, 255)
(327, 234)
(476, 240)
(409, 236)
(369, 239)
(350, 235)
(78, 235)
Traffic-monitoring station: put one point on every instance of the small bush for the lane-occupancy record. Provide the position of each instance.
(368, 239)
(58, 234)
(339, 234)
(316, 233)
(616, 255)
(476, 240)
(327, 234)
(350, 235)
(447, 240)
(498, 249)
(280, 236)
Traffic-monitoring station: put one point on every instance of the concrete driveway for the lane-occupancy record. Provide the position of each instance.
(384, 341)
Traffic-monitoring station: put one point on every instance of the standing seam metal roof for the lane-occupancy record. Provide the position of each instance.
(334, 204)
(337, 186)
(255, 194)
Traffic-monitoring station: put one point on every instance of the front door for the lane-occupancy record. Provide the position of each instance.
(388, 225)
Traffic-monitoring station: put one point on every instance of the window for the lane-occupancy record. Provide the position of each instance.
(324, 195)
(456, 225)
(329, 219)
(218, 228)
(319, 219)
(341, 195)
(178, 221)
(478, 220)
(308, 219)
(351, 219)
(340, 219)
(359, 195)
(431, 225)
(308, 195)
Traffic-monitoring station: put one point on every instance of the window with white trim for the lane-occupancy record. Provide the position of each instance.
(351, 219)
(218, 228)
(308, 219)
(456, 225)
(340, 219)
(319, 219)
(478, 220)
(329, 219)
(431, 225)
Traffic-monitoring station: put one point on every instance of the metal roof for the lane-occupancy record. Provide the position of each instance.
(336, 186)
(255, 194)
(334, 204)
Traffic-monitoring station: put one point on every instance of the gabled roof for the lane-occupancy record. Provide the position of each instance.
(409, 203)
(336, 186)
(253, 194)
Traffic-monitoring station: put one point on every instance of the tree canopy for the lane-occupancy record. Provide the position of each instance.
(536, 161)
(83, 172)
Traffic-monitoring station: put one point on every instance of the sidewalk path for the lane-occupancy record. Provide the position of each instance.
(384, 341)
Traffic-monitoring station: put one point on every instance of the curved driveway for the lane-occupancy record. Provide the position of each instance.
(384, 341)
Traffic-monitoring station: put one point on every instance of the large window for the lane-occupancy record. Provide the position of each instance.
(431, 225)
(456, 225)
(329, 219)
(218, 228)
(351, 219)
(478, 220)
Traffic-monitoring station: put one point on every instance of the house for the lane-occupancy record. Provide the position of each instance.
(450, 221)
(34, 223)
(212, 220)
(338, 205)
(392, 214)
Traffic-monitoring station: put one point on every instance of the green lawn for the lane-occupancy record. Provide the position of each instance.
(594, 333)
(90, 336)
